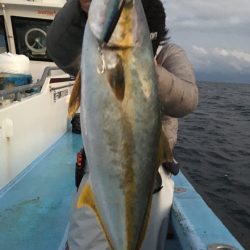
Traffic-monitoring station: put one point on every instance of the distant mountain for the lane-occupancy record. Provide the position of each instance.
(226, 77)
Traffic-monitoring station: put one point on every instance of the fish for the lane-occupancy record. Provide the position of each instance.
(120, 120)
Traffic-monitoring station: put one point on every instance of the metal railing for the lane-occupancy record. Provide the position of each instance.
(17, 91)
(61, 87)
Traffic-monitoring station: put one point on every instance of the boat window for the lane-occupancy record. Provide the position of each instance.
(30, 37)
(3, 37)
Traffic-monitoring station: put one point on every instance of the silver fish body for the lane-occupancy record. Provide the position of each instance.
(120, 120)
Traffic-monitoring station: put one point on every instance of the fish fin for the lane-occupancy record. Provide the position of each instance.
(165, 153)
(87, 198)
(145, 224)
(116, 79)
(75, 97)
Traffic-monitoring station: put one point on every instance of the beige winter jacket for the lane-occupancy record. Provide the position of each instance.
(178, 91)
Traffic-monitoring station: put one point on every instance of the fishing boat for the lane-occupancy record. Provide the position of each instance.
(33, 114)
(37, 150)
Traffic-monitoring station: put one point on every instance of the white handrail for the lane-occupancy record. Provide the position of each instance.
(6, 27)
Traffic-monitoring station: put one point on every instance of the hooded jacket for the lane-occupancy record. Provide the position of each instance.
(178, 91)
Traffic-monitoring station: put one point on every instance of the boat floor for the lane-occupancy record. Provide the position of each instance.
(34, 212)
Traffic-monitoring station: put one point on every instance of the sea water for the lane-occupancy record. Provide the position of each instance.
(214, 152)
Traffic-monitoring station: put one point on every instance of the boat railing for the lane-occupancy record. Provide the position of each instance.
(16, 92)
(61, 87)
(47, 72)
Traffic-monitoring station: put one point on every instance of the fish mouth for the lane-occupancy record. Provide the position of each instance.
(114, 28)
(113, 22)
(103, 25)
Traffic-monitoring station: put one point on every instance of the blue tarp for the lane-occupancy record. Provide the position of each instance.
(17, 79)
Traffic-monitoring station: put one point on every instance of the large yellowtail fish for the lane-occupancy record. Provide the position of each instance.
(120, 120)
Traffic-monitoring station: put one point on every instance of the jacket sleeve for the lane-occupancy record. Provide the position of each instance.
(64, 37)
(177, 85)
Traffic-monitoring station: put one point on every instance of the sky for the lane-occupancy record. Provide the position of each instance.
(215, 35)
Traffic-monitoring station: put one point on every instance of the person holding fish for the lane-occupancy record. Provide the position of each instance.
(132, 87)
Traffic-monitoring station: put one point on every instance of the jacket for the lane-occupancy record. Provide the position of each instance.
(178, 91)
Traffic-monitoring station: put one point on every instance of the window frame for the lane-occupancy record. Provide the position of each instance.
(2, 21)
(16, 20)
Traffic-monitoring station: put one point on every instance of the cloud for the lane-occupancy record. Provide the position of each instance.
(220, 60)
(213, 14)
(215, 35)
(240, 55)
(199, 50)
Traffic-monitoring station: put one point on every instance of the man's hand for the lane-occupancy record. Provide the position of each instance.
(85, 5)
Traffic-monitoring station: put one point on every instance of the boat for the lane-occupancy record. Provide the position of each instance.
(34, 113)
(38, 149)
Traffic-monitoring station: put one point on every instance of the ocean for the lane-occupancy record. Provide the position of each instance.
(214, 153)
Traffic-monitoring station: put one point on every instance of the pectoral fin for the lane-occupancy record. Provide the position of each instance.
(115, 73)
(116, 80)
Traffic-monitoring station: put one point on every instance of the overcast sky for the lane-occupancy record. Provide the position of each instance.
(215, 35)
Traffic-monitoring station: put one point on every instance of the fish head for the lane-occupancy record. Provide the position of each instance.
(120, 17)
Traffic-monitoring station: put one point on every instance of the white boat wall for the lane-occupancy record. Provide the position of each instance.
(33, 116)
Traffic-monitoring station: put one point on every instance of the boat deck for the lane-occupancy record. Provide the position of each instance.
(35, 207)
(34, 211)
